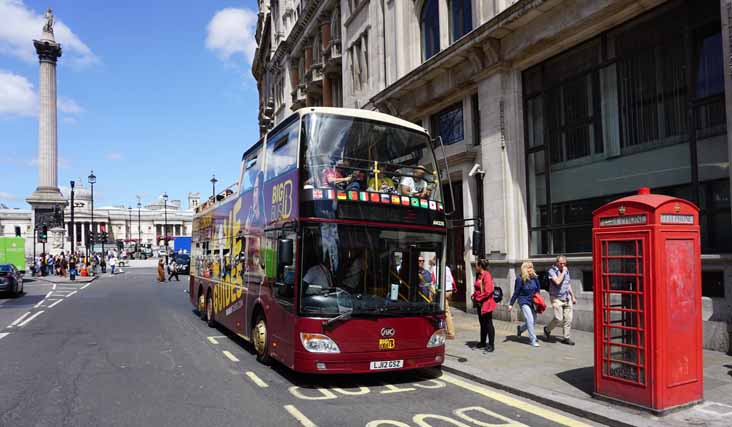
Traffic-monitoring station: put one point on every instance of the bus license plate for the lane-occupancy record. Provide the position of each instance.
(387, 364)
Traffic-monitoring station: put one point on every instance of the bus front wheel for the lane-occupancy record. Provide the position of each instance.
(259, 338)
(210, 321)
(201, 305)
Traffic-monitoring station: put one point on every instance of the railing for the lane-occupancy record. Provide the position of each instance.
(226, 193)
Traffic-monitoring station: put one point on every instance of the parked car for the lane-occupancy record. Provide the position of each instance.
(183, 262)
(11, 280)
(161, 252)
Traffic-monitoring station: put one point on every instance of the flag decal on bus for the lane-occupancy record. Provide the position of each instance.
(375, 197)
(364, 196)
(405, 200)
(433, 205)
(423, 203)
(342, 195)
(385, 198)
(415, 202)
(396, 200)
(353, 195)
(317, 194)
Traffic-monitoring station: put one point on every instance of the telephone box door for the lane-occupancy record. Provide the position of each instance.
(622, 312)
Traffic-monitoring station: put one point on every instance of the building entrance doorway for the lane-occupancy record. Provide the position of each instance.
(456, 243)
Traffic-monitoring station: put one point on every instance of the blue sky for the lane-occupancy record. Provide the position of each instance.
(154, 96)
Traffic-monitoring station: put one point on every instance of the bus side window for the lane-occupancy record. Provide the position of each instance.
(282, 151)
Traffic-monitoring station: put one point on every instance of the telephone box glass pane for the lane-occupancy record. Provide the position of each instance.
(623, 339)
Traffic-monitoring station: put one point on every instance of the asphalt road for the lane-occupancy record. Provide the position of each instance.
(126, 351)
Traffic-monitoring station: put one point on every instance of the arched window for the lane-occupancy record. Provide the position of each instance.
(461, 18)
(430, 23)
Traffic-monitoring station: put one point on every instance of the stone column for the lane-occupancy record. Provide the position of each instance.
(47, 201)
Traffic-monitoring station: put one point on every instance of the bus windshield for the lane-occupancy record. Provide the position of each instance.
(362, 270)
(357, 154)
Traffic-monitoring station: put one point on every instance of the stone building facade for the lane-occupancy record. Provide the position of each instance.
(564, 104)
(122, 223)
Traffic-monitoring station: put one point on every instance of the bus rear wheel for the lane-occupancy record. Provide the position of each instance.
(210, 321)
(202, 305)
(259, 338)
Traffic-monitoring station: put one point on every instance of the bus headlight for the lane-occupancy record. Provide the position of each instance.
(318, 343)
(437, 339)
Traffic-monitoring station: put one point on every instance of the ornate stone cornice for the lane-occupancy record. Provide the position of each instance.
(48, 51)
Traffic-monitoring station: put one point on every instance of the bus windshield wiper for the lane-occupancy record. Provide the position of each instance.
(343, 316)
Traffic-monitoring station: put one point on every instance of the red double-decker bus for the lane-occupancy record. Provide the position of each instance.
(321, 256)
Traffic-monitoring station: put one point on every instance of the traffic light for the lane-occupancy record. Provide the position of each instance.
(44, 234)
(92, 237)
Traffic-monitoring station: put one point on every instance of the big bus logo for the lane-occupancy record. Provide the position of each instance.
(387, 332)
(282, 200)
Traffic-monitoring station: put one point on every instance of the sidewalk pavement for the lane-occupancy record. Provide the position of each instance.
(562, 376)
(64, 279)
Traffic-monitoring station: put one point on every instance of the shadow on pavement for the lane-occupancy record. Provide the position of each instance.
(581, 378)
(24, 301)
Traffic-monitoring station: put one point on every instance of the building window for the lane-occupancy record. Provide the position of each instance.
(430, 27)
(461, 18)
(335, 26)
(448, 124)
(317, 52)
(612, 115)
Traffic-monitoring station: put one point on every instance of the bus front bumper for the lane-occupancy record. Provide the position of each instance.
(362, 362)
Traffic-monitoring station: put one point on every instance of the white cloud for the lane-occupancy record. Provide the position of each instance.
(113, 156)
(69, 106)
(231, 32)
(70, 120)
(17, 96)
(7, 196)
(20, 25)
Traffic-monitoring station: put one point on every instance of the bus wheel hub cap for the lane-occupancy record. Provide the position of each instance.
(260, 336)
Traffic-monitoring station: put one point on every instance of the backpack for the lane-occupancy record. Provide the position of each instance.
(545, 281)
(497, 294)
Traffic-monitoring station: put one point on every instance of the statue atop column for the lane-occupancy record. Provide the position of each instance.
(48, 26)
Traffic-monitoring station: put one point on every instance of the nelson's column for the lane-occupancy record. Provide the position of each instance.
(47, 201)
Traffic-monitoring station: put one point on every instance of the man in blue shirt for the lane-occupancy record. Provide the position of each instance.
(562, 298)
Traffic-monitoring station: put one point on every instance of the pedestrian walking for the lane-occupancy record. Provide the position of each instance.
(562, 299)
(112, 263)
(173, 270)
(483, 297)
(161, 270)
(524, 290)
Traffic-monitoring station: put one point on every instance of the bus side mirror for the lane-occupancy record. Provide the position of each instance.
(285, 249)
(477, 242)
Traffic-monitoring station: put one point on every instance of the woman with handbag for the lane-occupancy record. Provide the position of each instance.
(483, 297)
(525, 290)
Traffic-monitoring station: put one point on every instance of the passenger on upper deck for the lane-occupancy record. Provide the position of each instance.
(336, 177)
(416, 185)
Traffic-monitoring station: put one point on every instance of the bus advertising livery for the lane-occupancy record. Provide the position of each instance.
(328, 256)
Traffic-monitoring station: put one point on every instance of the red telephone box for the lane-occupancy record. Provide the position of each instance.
(648, 322)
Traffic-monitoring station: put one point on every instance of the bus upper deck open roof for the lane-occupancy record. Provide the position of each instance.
(349, 112)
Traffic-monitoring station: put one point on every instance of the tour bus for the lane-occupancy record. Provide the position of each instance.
(321, 255)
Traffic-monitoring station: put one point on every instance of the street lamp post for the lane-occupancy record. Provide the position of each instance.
(73, 226)
(213, 184)
(92, 181)
(165, 229)
(139, 228)
(129, 224)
